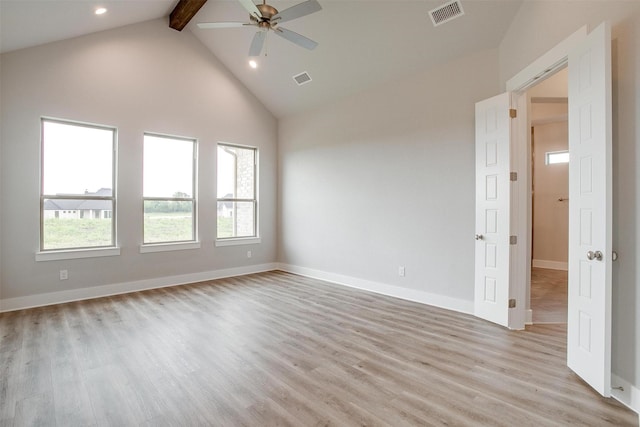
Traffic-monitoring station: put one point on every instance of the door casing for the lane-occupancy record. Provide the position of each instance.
(521, 224)
(542, 68)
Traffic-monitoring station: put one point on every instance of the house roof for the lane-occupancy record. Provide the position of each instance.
(361, 43)
(80, 204)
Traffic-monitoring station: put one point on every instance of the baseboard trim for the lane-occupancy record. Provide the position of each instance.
(528, 320)
(551, 265)
(436, 300)
(40, 300)
(629, 396)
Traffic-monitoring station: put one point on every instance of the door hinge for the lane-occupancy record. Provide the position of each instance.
(513, 240)
(513, 176)
(512, 303)
(513, 113)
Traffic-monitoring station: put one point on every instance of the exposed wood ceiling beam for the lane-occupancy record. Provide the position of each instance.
(183, 12)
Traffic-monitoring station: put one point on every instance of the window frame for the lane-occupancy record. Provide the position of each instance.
(79, 251)
(255, 237)
(174, 244)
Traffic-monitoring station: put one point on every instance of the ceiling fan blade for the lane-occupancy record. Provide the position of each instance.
(251, 8)
(296, 38)
(257, 43)
(207, 25)
(301, 9)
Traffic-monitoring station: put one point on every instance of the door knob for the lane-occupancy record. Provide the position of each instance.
(597, 255)
(479, 237)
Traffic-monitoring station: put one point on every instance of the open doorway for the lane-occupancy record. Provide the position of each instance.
(549, 199)
(503, 171)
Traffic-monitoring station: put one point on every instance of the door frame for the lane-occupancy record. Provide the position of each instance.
(542, 68)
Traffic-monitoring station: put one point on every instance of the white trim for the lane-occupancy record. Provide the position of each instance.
(239, 241)
(442, 301)
(50, 298)
(629, 396)
(166, 247)
(519, 259)
(557, 57)
(528, 320)
(552, 265)
(76, 254)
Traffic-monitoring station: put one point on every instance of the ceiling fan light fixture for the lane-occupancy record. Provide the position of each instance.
(100, 11)
(268, 18)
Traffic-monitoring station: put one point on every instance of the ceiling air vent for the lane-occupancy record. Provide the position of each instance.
(302, 78)
(446, 12)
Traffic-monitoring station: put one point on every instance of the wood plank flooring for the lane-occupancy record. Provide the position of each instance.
(549, 295)
(278, 349)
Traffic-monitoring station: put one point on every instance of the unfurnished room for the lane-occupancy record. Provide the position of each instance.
(319, 212)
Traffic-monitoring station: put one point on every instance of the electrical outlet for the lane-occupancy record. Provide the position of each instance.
(401, 271)
(64, 274)
(248, 254)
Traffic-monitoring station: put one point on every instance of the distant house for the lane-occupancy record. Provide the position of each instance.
(225, 209)
(80, 208)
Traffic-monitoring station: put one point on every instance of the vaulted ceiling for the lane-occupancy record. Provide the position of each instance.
(362, 43)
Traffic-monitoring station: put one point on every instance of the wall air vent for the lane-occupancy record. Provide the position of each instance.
(302, 78)
(446, 12)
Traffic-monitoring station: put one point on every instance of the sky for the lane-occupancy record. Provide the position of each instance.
(168, 166)
(76, 158)
(79, 158)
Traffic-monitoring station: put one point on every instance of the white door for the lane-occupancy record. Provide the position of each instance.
(493, 132)
(589, 317)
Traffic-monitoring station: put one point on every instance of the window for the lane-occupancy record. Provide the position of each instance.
(169, 189)
(237, 201)
(77, 197)
(554, 157)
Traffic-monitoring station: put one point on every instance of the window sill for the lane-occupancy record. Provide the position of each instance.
(76, 254)
(239, 241)
(167, 247)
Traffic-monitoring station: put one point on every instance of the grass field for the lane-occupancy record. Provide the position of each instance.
(76, 233)
(158, 227)
(167, 227)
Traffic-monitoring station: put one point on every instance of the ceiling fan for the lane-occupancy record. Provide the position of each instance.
(266, 18)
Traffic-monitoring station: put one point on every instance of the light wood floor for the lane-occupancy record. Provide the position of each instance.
(549, 295)
(279, 349)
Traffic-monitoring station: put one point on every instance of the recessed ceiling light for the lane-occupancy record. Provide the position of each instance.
(100, 11)
(253, 64)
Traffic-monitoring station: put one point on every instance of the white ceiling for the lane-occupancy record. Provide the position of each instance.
(362, 43)
(26, 23)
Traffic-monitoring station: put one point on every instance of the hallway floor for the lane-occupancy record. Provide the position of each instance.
(549, 295)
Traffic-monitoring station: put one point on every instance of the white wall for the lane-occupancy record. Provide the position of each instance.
(2, 180)
(386, 178)
(522, 44)
(143, 77)
(550, 183)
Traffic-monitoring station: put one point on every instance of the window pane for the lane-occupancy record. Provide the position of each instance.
(236, 219)
(236, 170)
(76, 159)
(554, 157)
(168, 221)
(72, 223)
(168, 167)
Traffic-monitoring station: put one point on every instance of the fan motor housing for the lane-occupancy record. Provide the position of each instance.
(267, 11)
